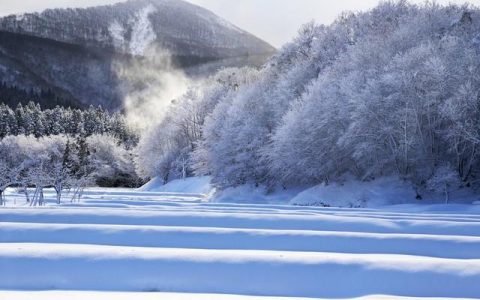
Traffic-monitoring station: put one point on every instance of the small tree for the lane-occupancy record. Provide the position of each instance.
(443, 179)
(12, 163)
(38, 169)
(109, 161)
(81, 168)
(59, 164)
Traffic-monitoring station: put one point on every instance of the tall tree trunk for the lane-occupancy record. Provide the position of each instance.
(35, 197)
(27, 196)
(405, 154)
(447, 196)
(58, 190)
(41, 200)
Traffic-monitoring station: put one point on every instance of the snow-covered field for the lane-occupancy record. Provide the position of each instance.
(126, 244)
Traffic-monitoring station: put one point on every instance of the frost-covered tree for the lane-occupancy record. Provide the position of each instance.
(12, 163)
(63, 162)
(443, 180)
(386, 105)
(166, 150)
(32, 120)
(39, 161)
(59, 171)
(111, 163)
(8, 122)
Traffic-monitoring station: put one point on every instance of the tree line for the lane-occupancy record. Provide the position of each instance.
(12, 95)
(64, 149)
(64, 163)
(30, 119)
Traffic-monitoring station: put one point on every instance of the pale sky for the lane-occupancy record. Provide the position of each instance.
(275, 21)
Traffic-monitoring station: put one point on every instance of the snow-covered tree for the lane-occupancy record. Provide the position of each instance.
(12, 162)
(59, 171)
(444, 179)
(393, 91)
(111, 163)
(166, 150)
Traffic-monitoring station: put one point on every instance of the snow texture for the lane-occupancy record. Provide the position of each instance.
(194, 185)
(155, 296)
(119, 243)
(354, 193)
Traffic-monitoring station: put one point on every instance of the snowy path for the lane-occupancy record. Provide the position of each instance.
(119, 243)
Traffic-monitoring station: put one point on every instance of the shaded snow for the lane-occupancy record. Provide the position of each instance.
(89, 267)
(251, 194)
(243, 238)
(171, 296)
(169, 244)
(386, 191)
(193, 185)
(355, 193)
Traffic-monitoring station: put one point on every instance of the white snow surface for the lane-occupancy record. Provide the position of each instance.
(138, 244)
(350, 193)
(194, 185)
(353, 193)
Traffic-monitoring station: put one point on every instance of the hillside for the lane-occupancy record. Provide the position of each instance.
(77, 53)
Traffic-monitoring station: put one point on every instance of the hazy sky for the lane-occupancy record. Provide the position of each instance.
(276, 21)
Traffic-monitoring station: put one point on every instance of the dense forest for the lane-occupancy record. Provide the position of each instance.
(64, 148)
(30, 119)
(12, 95)
(389, 92)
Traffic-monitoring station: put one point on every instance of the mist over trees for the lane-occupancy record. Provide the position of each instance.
(390, 92)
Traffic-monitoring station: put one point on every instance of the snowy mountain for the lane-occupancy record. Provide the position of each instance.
(75, 52)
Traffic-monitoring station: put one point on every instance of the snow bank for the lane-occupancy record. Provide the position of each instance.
(192, 185)
(116, 243)
(446, 246)
(83, 295)
(354, 193)
(242, 194)
(77, 295)
(351, 193)
(273, 273)
(254, 217)
(259, 195)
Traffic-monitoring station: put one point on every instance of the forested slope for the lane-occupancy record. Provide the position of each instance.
(389, 92)
(87, 55)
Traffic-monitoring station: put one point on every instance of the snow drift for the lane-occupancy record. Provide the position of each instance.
(193, 185)
(117, 243)
(88, 267)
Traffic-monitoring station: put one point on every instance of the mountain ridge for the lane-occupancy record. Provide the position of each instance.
(73, 51)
